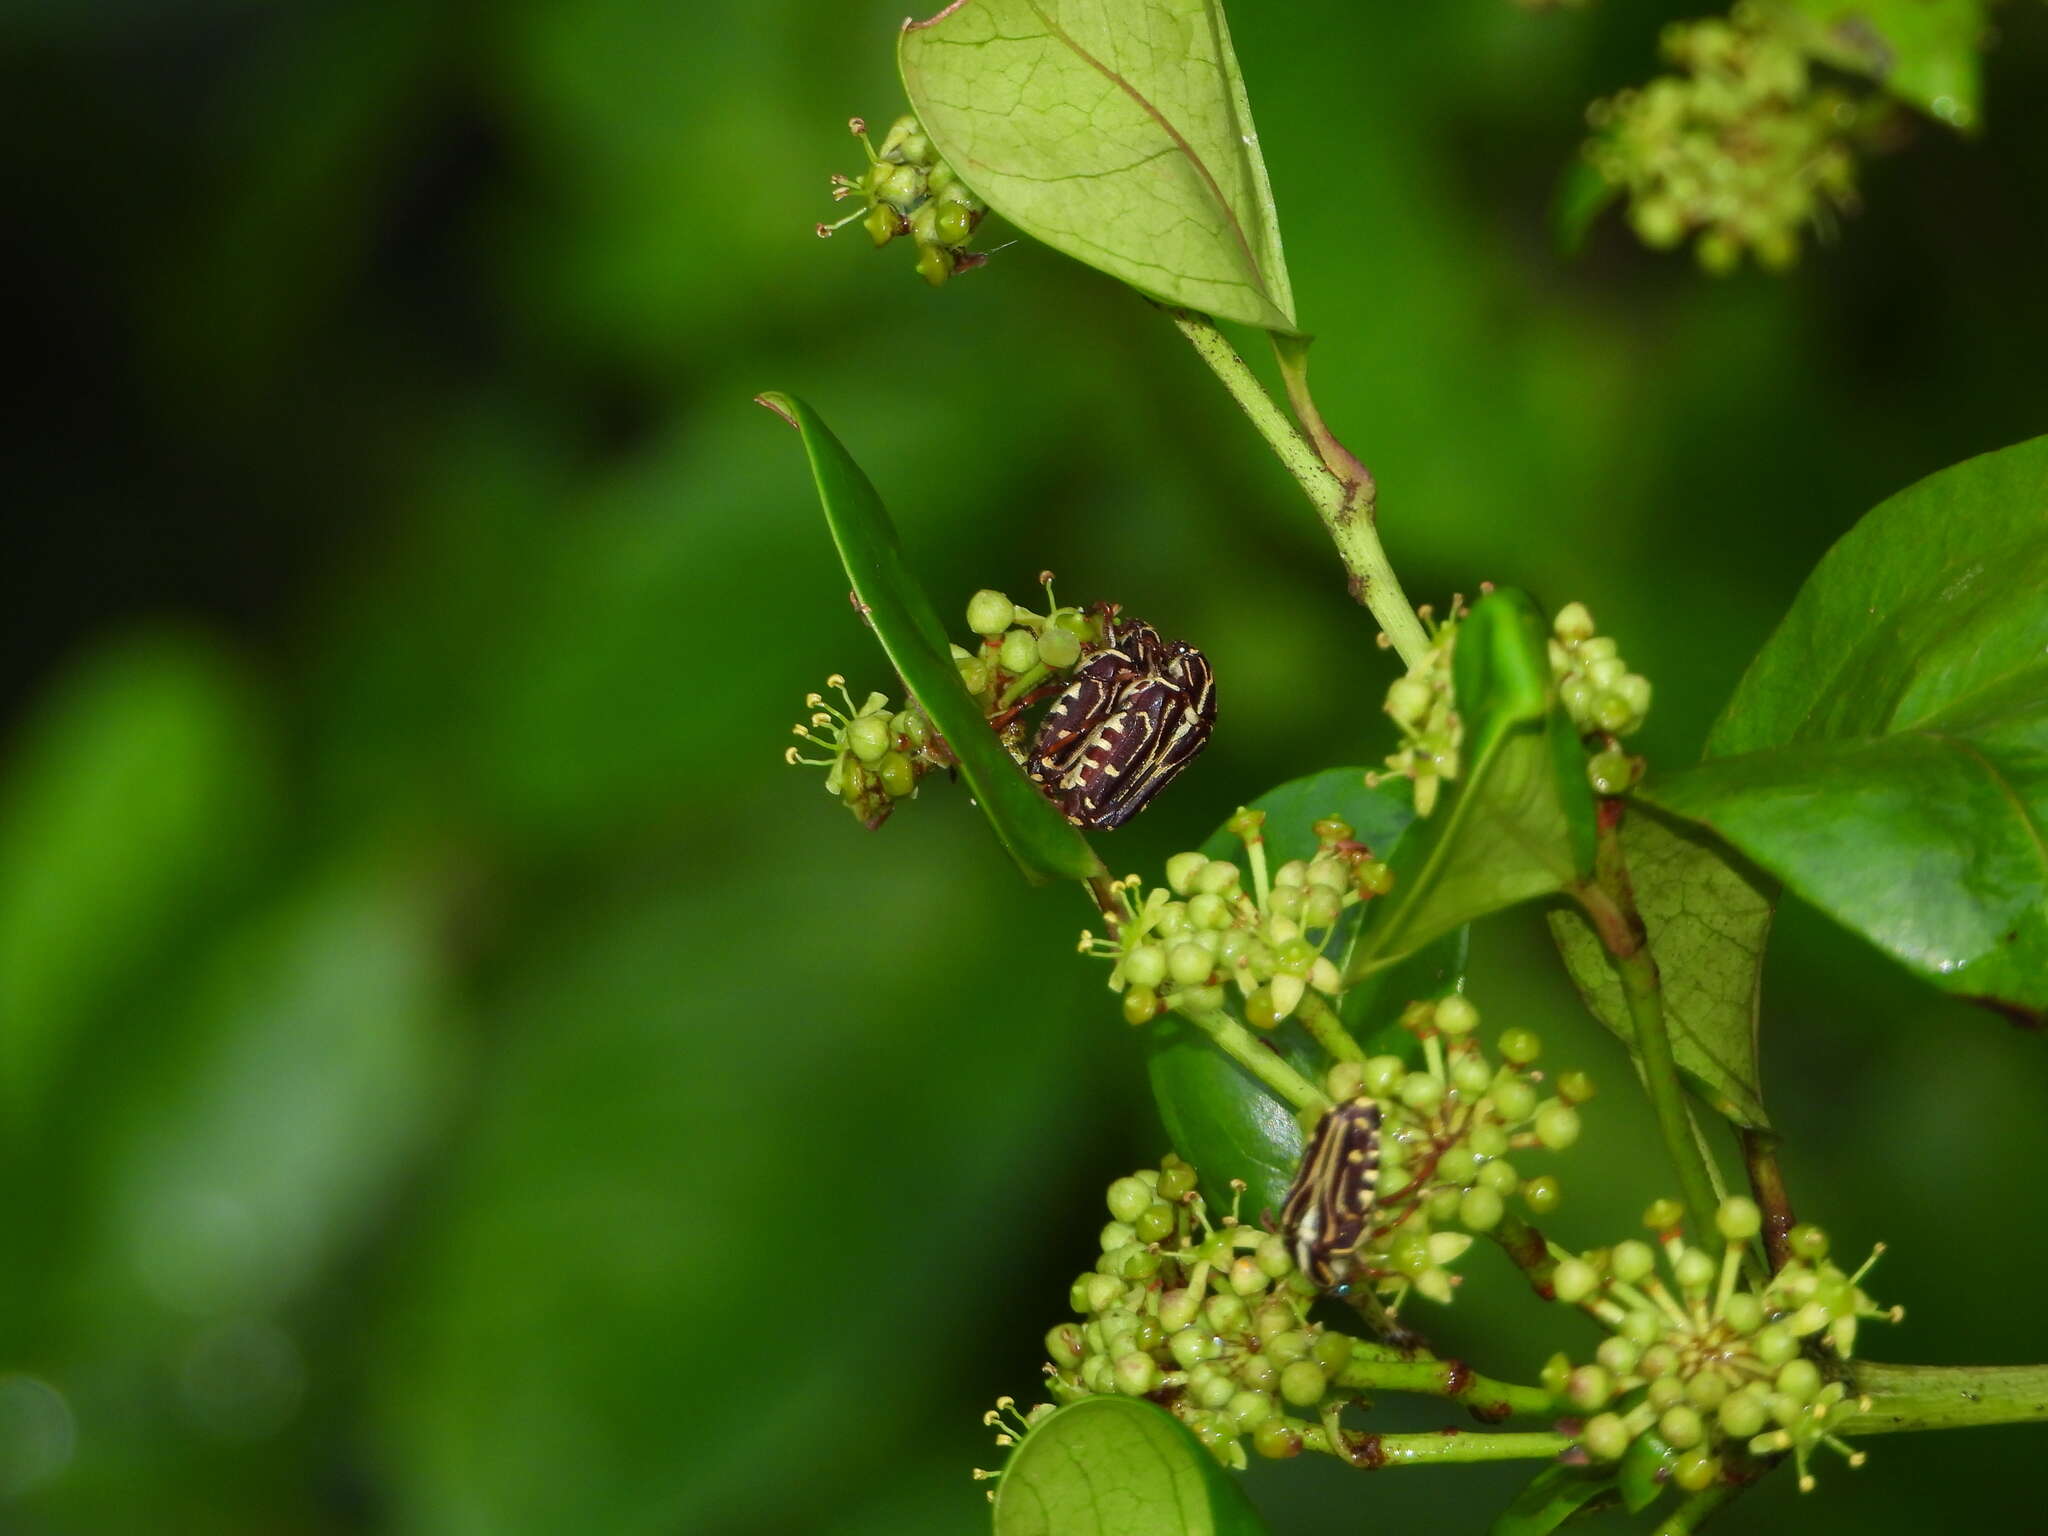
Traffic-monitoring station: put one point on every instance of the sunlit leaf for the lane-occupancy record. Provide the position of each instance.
(1116, 131)
(1925, 52)
(1115, 1466)
(1886, 755)
(1707, 914)
(1038, 836)
(1518, 822)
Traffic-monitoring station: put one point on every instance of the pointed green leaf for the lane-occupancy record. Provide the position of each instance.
(1038, 836)
(1115, 1466)
(1927, 53)
(1116, 131)
(1556, 1494)
(1707, 913)
(1886, 755)
(1518, 823)
(1216, 1114)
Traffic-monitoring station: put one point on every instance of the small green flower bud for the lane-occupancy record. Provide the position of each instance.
(1409, 700)
(1515, 1099)
(1610, 772)
(1574, 623)
(1177, 1308)
(912, 726)
(1481, 1209)
(1127, 1197)
(1141, 1005)
(1597, 648)
(1246, 1278)
(974, 674)
(1189, 964)
(1659, 1360)
(1248, 1409)
(953, 224)
(1331, 1351)
(1289, 1346)
(1155, 1223)
(1456, 1016)
(1667, 1391)
(1520, 1046)
(1226, 1312)
(1191, 1346)
(1099, 1292)
(1219, 877)
(898, 775)
(1442, 1204)
(1374, 877)
(1487, 1140)
(1182, 869)
(1557, 1125)
(1274, 1260)
(1799, 1378)
(1097, 1375)
(1706, 1390)
(1634, 691)
(1176, 1178)
(1808, 1242)
(990, 612)
(1743, 1311)
(933, 264)
(1574, 1280)
(1145, 966)
(1574, 1087)
(870, 737)
(1618, 1355)
(1589, 1388)
(1775, 1344)
(1321, 908)
(1642, 1328)
(1136, 1374)
(1384, 1076)
(1605, 1437)
(1063, 1346)
(1210, 1384)
(1258, 1372)
(1695, 1269)
(1500, 1176)
(1696, 1470)
(1277, 1440)
(1303, 1383)
(1470, 1075)
(1058, 648)
(1409, 1255)
(1605, 672)
(883, 223)
(1739, 1219)
(1208, 912)
(1664, 1216)
(1742, 1414)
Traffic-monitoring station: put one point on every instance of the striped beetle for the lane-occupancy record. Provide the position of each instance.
(1330, 1206)
(1135, 714)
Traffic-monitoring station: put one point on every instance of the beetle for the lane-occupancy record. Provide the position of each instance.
(1135, 714)
(1330, 1206)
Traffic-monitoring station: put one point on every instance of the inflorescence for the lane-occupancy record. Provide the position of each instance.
(908, 190)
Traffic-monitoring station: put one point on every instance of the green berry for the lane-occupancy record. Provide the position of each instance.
(1471, 1076)
(1191, 1346)
(1273, 1258)
(990, 612)
(1302, 1384)
(1332, 1351)
(1383, 1076)
(1121, 1234)
(1515, 1099)
(1557, 1125)
(1287, 1347)
(1099, 1291)
(1410, 1255)
(1707, 1389)
(1499, 1175)
(1632, 1259)
(1664, 1216)
(1276, 1440)
(1226, 1312)
(1141, 1005)
(1742, 1415)
(1127, 1197)
(1176, 1179)
(1605, 1437)
(1775, 1344)
(1481, 1209)
(1063, 1346)
(1145, 966)
(1574, 1087)
(1739, 1219)
(1058, 648)
(1258, 1373)
(1216, 1389)
(1695, 1269)
(870, 738)
(1019, 652)
(1487, 1140)
(954, 224)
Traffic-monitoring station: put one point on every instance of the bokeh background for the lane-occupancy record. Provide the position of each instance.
(456, 1079)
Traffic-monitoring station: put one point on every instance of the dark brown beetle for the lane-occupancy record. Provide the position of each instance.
(1135, 714)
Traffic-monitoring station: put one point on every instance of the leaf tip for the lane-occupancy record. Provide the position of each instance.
(780, 404)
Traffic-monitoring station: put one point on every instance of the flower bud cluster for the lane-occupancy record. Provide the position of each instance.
(1709, 1370)
(1447, 1129)
(908, 190)
(1739, 148)
(1423, 707)
(1019, 650)
(1209, 1320)
(1184, 945)
(1604, 700)
(873, 756)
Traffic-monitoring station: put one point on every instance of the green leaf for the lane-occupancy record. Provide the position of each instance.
(1518, 824)
(1886, 755)
(1115, 1466)
(1554, 1495)
(1707, 914)
(1116, 131)
(1644, 1471)
(1041, 840)
(1927, 53)
(134, 800)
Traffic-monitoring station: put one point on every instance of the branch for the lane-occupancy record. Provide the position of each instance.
(1898, 1398)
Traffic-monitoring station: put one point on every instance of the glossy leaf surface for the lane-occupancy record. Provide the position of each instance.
(1116, 131)
(1038, 836)
(1115, 1466)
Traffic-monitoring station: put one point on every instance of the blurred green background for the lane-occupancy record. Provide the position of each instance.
(456, 1079)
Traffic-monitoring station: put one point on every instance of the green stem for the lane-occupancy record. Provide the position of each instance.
(1910, 1397)
(1375, 1451)
(1253, 1054)
(1484, 1397)
(1326, 1029)
(1524, 1244)
(1610, 906)
(1345, 504)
